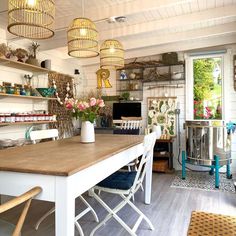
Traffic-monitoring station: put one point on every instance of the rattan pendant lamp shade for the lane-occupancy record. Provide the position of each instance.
(33, 19)
(82, 38)
(111, 54)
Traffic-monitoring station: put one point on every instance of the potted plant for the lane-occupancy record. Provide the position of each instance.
(87, 110)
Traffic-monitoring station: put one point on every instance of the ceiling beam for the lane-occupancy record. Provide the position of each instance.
(195, 34)
(139, 43)
(121, 9)
(173, 22)
(60, 39)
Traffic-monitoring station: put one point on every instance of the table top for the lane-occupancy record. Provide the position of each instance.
(66, 156)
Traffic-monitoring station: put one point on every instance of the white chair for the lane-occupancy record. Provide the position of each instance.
(53, 134)
(43, 134)
(8, 229)
(125, 184)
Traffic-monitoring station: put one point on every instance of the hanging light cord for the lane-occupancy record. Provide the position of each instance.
(82, 3)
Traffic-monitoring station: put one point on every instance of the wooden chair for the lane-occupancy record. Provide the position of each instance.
(53, 134)
(7, 229)
(125, 184)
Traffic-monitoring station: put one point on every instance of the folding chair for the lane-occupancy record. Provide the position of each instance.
(53, 133)
(7, 229)
(125, 184)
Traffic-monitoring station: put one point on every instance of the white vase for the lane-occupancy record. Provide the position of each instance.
(157, 129)
(87, 132)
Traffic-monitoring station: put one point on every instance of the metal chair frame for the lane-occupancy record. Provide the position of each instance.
(126, 195)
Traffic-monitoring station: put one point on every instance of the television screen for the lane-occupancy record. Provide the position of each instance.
(126, 109)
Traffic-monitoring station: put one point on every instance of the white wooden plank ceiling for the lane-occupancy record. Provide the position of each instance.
(149, 22)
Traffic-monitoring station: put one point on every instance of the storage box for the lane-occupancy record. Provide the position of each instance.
(160, 165)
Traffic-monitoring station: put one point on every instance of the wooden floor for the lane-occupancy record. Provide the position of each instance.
(169, 212)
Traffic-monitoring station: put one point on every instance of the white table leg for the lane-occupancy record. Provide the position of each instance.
(148, 180)
(64, 208)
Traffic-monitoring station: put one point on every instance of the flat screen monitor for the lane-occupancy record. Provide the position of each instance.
(126, 109)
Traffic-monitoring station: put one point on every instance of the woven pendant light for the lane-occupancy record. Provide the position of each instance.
(33, 19)
(111, 54)
(82, 38)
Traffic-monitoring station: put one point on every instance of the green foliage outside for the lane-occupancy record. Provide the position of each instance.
(207, 88)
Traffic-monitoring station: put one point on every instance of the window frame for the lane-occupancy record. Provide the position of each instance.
(190, 83)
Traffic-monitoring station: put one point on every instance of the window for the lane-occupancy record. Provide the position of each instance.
(207, 88)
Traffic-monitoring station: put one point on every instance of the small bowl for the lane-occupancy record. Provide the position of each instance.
(46, 92)
(176, 75)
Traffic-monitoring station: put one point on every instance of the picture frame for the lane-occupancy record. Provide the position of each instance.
(161, 111)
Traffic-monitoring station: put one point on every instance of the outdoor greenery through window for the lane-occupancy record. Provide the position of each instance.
(207, 74)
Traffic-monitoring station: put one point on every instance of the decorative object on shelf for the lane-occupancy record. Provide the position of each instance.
(170, 58)
(154, 75)
(21, 54)
(132, 75)
(103, 76)
(28, 79)
(46, 64)
(111, 54)
(88, 110)
(64, 119)
(82, 37)
(177, 75)
(31, 19)
(32, 57)
(125, 96)
(123, 75)
(46, 92)
(57, 94)
(5, 50)
(161, 111)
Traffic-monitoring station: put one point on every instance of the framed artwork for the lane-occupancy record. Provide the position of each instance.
(161, 111)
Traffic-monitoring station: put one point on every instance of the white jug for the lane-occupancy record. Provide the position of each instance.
(157, 129)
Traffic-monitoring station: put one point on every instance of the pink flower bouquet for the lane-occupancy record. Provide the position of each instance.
(87, 110)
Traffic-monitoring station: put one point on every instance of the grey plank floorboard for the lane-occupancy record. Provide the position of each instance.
(169, 212)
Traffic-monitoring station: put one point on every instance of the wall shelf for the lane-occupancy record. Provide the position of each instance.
(22, 66)
(124, 80)
(4, 95)
(129, 90)
(27, 123)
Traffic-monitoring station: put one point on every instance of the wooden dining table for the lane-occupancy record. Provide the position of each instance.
(67, 168)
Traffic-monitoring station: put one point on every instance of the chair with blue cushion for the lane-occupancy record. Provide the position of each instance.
(125, 184)
(8, 229)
